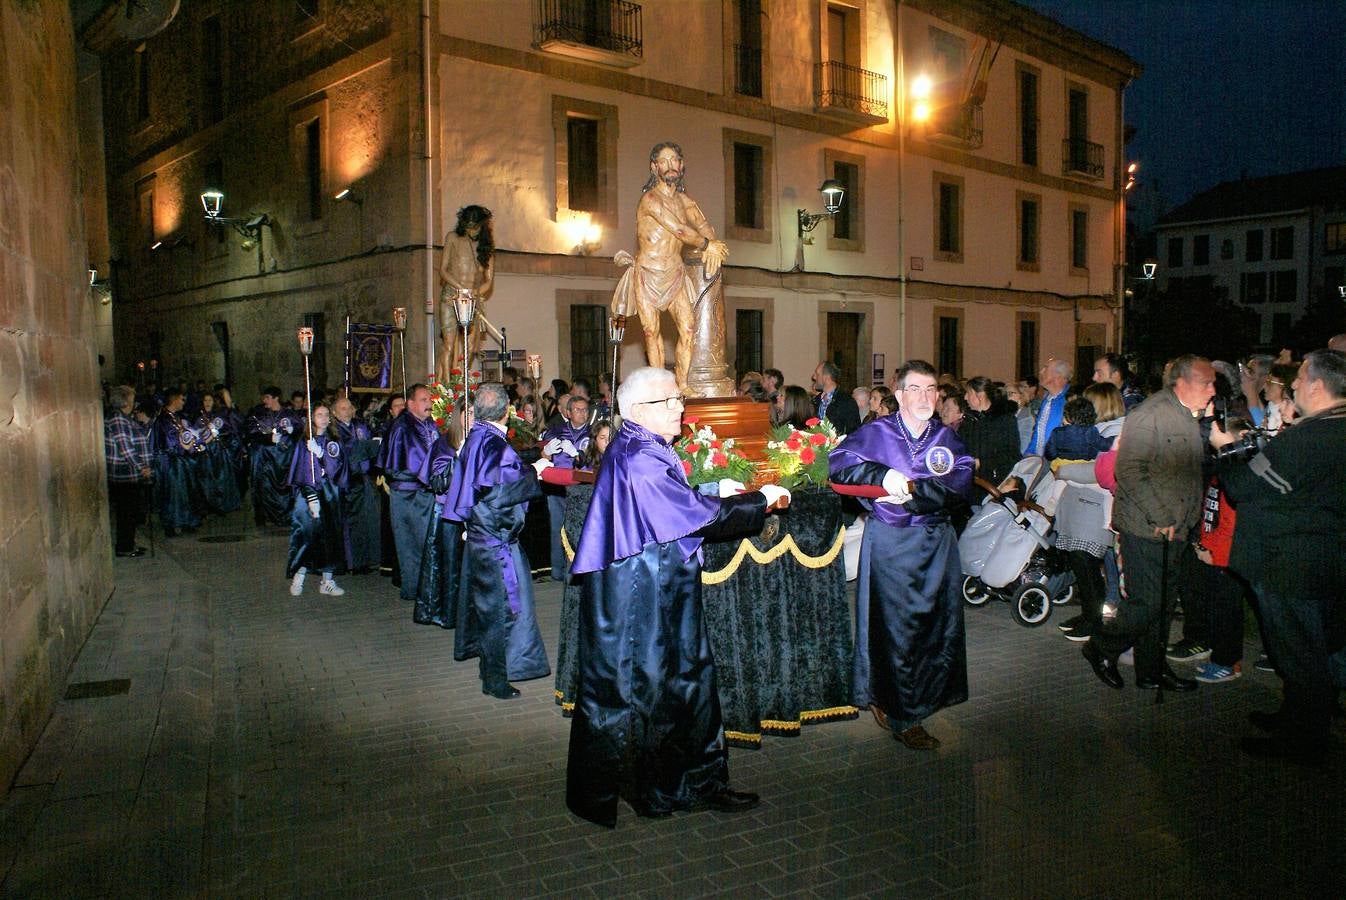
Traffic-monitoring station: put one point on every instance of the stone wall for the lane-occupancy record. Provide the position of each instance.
(55, 550)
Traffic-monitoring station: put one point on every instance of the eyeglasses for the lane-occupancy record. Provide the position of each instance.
(669, 402)
(916, 391)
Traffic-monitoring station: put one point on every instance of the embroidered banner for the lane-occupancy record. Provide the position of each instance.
(369, 358)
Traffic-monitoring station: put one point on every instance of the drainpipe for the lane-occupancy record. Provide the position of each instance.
(901, 159)
(429, 191)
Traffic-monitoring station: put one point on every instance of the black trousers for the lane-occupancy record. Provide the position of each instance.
(1295, 633)
(1217, 594)
(1140, 623)
(124, 497)
(1088, 572)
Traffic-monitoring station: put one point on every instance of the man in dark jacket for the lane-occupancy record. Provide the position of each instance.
(1290, 543)
(1159, 493)
(834, 404)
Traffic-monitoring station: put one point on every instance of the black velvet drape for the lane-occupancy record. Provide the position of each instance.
(780, 632)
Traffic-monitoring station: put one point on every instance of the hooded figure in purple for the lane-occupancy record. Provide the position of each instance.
(269, 431)
(646, 724)
(489, 494)
(910, 648)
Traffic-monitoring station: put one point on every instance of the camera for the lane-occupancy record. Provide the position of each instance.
(1244, 447)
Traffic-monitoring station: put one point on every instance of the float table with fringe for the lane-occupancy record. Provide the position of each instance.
(777, 616)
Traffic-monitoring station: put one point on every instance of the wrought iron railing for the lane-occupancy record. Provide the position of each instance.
(961, 123)
(613, 25)
(849, 87)
(747, 70)
(1081, 157)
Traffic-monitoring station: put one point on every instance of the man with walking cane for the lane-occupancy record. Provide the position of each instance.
(1159, 493)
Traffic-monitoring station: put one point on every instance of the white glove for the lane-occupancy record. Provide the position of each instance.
(541, 466)
(275, 437)
(313, 508)
(569, 449)
(731, 488)
(773, 493)
(552, 446)
(314, 448)
(897, 486)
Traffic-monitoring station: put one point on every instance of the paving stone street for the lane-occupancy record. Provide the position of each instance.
(278, 746)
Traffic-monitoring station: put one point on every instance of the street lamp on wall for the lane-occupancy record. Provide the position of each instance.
(1148, 269)
(833, 193)
(212, 201)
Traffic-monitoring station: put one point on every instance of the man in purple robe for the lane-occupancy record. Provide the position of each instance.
(269, 430)
(647, 723)
(411, 504)
(910, 649)
(489, 494)
(564, 444)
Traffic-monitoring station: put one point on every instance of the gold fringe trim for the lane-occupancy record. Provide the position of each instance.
(565, 545)
(786, 545)
(829, 715)
(742, 737)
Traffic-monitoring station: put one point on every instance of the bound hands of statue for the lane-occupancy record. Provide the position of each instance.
(623, 258)
(715, 253)
(897, 486)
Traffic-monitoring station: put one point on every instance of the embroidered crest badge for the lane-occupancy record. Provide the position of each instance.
(939, 460)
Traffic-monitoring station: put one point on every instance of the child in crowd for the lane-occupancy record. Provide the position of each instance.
(1077, 439)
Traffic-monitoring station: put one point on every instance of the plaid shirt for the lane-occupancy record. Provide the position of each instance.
(126, 446)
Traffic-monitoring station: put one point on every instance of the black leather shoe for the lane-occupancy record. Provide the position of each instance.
(1168, 681)
(731, 801)
(1267, 721)
(507, 692)
(1104, 668)
(1280, 748)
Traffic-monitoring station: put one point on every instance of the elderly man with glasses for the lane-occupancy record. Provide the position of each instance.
(647, 723)
(910, 647)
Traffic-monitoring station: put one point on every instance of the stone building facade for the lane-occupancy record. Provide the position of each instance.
(55, 550)
(980, 231)
(1274, 244)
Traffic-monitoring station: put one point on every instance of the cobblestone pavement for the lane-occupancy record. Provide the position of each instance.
(278, 746)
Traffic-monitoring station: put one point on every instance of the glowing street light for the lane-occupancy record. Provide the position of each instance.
(922, 87)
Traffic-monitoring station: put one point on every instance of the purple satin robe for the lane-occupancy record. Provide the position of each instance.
(330, 467)
(485, 460)
(641, 497)
(404, 450)
(567, 432)
(935, 453)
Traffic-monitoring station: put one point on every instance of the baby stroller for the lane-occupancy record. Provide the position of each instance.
(1006, 549)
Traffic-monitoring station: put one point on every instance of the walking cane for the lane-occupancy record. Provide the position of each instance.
(1163, 617)
(306, 347)
(400, 323)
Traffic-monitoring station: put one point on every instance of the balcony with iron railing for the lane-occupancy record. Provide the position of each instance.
(747, 70)
(1081, 158)
(605, 31)
(851, 93)
(959, 125)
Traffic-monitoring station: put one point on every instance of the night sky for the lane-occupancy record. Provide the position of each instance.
(1228, 86)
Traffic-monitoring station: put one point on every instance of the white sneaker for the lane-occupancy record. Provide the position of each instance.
(297, 584)
(330, 588)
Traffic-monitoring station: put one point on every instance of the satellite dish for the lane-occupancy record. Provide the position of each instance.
(137, 20)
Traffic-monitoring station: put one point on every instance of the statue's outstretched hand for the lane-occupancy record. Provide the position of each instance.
(623, 258)
(715, 253)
